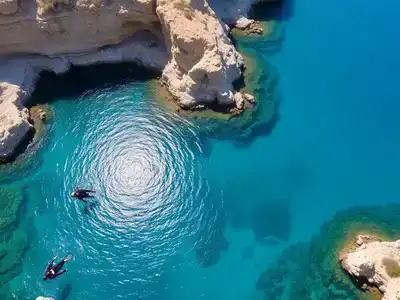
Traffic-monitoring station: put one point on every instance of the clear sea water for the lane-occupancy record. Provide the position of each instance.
(180, 215)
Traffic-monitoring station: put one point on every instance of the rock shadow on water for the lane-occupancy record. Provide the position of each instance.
(271, 221)
(65, 292)
(312, 270)
(80, 79)
(261, 201)
(13, 238)
(210, 239)
(282, 10)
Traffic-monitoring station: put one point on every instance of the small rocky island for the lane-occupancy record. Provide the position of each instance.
(184, 40)
(374, 264)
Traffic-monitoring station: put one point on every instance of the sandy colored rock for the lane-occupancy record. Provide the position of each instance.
(44, 298)
(203, 62)
(249, 98)
(239, 100)
(375, 264)
(362, 238)
(14, 125)
(243, 23)
(61, 27)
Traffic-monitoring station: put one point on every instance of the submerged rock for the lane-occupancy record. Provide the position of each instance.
(239, 100)
(249, 98)
(44, 298)
(312, 268)
(375, 264)
(254, 28)
(13, 240)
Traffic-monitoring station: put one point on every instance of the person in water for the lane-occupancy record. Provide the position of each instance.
(81, 194)
(53, 271)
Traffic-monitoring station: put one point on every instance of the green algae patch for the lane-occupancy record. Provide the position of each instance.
(40, 114)
(11, 253)
(259, 79)
(312, 270)
(13, 239)
(392, 267)
(10, 202)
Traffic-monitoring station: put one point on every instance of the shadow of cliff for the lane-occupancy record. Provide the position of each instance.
(80, 79)
(273, 10)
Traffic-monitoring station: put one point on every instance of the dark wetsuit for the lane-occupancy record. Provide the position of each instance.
(81, 194)
(54, 271)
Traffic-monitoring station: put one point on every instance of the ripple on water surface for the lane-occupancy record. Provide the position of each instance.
(150, 195)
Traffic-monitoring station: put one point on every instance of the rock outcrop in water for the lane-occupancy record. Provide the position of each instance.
(203, 62)
(376, 264)
(183, 39)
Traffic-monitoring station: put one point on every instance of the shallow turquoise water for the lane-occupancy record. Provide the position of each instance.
(180, 216)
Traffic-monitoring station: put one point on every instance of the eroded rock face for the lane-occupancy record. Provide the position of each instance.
(18, 76)
(182, 38)
(14, 125)
(203, 62)
(56, 27)
(375, 264)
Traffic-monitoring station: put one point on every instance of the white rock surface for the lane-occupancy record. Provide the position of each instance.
(239, 100)
(44, 298)
(249, 98)
(203, 62)
(365, 263)
(243, 22)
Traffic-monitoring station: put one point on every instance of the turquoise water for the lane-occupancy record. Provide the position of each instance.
(180, 215)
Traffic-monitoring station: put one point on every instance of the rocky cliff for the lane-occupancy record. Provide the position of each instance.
(375, 264)
(183, 39)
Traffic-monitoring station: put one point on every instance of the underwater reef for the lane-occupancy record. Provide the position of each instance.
(312, 270)
(13, 239)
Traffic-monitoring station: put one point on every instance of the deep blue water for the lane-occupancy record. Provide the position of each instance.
(178, 217)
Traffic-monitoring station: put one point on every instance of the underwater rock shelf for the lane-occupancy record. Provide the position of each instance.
(306, 270)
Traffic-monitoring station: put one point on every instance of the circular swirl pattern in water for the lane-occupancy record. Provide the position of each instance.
(149, 197)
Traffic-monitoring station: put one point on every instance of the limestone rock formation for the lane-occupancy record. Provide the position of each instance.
(243, 22)
(375, 264)
(203, 62)
(184, 39)
(44, 298)
(54, 27)
(14, 125)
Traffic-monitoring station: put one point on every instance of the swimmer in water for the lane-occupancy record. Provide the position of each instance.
(53, 271)
(81, 194)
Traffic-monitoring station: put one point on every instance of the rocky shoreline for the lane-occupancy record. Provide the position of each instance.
(373, 263)
(183, 40)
